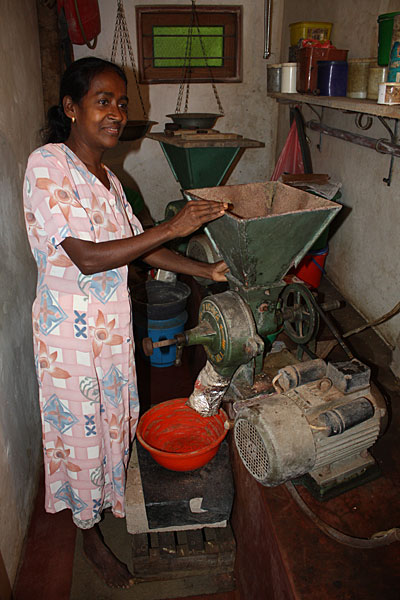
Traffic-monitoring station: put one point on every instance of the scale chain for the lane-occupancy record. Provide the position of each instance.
(214, 87)
(121, 36)
(187, 69)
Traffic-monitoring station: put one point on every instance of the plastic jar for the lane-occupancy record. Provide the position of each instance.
(376, 75)
(332, 77)
(357, 78)
(394, 64)
(288, 78)
(385, 37)
(274, 73)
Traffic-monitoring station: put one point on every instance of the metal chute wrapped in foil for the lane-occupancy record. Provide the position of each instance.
(208, 392)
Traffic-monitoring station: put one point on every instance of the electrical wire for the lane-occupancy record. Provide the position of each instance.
(395, 310)
(381, 538)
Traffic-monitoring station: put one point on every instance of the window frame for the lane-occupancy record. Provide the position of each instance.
(231, 17)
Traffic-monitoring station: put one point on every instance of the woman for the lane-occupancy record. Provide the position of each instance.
(83, 235)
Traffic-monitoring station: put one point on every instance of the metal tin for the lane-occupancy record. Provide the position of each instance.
(389, 93)
(274, 74)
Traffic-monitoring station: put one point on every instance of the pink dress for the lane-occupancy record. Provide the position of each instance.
(83, 342)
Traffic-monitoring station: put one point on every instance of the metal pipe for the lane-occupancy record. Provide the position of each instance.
(267, 28)
(380, 145)
(333, 329)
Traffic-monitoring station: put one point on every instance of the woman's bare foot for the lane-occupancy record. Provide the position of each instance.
(104, 562)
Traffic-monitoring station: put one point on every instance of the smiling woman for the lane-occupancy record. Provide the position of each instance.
(83, 235)
(98, 119)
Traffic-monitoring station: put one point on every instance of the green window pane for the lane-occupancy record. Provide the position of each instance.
(169, 46)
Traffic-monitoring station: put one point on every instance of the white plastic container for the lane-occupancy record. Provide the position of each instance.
(288, 78)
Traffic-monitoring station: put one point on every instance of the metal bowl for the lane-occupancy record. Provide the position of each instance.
(194, 120)
(134, 130)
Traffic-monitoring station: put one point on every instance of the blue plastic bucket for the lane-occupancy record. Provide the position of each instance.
(158, 330)
(332, 77)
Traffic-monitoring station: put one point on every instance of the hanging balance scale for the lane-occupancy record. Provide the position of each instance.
(197, 154)
(183, 119)
(137, 129)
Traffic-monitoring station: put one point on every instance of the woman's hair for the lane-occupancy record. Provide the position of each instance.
(75, 82)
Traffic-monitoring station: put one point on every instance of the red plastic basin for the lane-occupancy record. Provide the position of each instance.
(178, 437)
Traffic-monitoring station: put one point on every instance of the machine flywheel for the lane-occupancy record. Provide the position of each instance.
(301, 320)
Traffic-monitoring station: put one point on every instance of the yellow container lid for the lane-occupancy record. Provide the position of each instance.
(320, 30)
(311, 24)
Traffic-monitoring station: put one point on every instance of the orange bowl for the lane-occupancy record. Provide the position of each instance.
(178, 437)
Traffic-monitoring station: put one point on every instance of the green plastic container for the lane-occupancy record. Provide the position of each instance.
(385, 37)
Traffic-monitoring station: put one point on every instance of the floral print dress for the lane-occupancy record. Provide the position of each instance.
(83, 341)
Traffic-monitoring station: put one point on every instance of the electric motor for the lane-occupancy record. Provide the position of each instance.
(322, 421)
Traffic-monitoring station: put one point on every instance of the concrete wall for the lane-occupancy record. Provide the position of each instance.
(364, 252)
(21, 116)
(247, 109)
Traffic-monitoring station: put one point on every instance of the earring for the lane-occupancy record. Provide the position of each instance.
(73, 119)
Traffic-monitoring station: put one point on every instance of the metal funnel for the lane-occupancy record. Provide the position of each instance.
(199, 166)
(269, 228)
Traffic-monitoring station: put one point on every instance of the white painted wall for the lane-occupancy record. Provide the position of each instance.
(363, 261)
(248, 110)
(21, 116)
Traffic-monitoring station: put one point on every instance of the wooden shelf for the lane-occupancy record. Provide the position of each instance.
(369, 107)
(202, 142)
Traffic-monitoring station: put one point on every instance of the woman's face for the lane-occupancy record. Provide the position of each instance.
(101, 115)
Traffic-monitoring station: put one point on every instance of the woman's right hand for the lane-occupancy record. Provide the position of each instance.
(91, 257)
(194, 214)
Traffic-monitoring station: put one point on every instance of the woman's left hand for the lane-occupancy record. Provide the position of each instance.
(218, 270)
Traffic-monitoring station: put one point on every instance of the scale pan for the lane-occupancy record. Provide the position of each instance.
(134, 130)
(194, 120)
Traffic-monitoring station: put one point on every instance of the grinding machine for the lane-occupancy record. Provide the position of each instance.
(314, 421)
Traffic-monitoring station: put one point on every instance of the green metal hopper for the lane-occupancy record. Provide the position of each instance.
(203, 160)
(194, 166)
(269, 228)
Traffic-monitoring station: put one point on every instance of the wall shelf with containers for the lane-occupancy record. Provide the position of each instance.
(356, 105)
(359, 107)
(366, 87)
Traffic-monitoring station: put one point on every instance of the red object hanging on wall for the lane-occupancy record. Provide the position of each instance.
(83, 20)
(290, 159)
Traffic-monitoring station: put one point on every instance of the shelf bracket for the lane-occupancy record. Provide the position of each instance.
(320, 117)
(394, 140)
(381, 145)
(359, 109)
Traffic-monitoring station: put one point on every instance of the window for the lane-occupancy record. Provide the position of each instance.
(166, 51)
